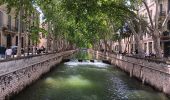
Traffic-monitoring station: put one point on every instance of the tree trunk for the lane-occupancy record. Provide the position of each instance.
(19, 33)
(139, 44)
(157, 46)
(57, 45)
(155, 29)
(105, 46)
(109, 47)
(120, 46)
(126, 44)
(48, 42)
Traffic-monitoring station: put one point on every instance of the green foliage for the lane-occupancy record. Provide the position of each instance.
(83, 22)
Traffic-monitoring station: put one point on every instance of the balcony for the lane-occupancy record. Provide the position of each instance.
(4, 28)
(15, 29)
(9, 30)
(9, 27)
(12, 28)
(165, 36)
(162, 13)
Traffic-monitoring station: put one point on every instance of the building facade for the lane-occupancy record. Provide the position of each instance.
(128, 44)
(9, 28)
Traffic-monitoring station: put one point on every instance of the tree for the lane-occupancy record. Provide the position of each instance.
(81, 22)
(155, 29)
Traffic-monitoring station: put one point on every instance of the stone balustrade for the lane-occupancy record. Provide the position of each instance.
(16, 74)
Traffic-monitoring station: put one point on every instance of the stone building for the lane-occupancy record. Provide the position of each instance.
(9, 28)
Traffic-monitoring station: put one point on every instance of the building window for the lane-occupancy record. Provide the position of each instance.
(29, 42)
(0, 38)
(16, 41)
(135, 47)
(161, 9)
(22, 42)
(132, 48)
(1, 19)
(21, 28)
(8, 40)
(145, 47)
(168, 25)
(150, 47)
(16, 24)
(9, 22)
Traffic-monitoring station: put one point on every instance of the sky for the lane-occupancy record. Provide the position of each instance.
(41, 14)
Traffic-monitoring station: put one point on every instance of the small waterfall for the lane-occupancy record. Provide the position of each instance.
(79, 62)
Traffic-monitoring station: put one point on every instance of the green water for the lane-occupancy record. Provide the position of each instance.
(88, 81)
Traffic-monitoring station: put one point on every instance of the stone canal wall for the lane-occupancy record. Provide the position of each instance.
(156, 74)
(18, 73)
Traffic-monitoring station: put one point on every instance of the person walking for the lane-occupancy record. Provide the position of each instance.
(3, 51)
(8, 53)
(0, 52)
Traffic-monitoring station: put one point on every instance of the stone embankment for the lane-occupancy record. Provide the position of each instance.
(18, 73)
(156, 74)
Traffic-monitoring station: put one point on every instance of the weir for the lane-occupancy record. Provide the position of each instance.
(89, 60)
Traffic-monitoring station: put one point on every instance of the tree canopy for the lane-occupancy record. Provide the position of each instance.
(83, 22)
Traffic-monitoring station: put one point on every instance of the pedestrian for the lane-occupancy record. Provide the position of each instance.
(34, 49)
(8, 52)
(0, 52)
(42, 49)
(136, 51)
(38, 50)
(146, 55)
(3, 51)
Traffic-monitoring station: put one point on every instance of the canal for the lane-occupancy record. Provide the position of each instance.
(86, 80)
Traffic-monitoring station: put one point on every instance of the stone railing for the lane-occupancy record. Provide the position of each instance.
(156, 74)
(17, 74)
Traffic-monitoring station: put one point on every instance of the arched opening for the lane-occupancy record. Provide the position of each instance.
(9, 40)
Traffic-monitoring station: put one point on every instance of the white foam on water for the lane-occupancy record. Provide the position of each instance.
(71, 63)
(95, 63)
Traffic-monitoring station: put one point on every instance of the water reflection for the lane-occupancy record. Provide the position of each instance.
(71, 81)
